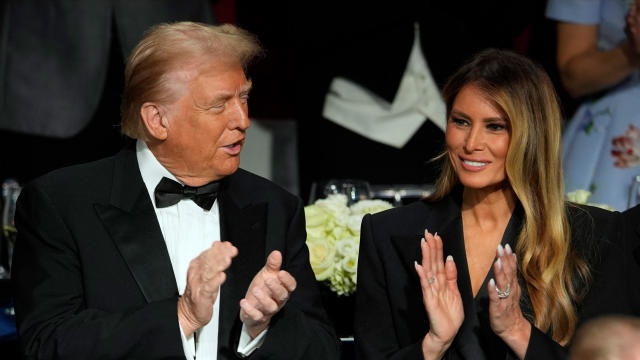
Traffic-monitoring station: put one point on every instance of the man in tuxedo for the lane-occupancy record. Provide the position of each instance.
(168, 249)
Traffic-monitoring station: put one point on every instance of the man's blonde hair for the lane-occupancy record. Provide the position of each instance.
(168, 48)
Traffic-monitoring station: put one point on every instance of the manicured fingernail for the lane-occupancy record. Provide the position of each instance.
(449, 258)
(500, 250)
(492, 282)
(499, 263)
(422, 241)
(415, 263)
(508, 249)
(426, 231)
(436, 234)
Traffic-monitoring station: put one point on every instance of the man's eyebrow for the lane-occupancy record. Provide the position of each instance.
(245, 89)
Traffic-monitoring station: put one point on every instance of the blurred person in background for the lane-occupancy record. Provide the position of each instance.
(598, 56)
(61, 71)
(607, 338)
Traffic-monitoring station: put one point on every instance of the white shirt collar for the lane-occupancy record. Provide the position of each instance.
(151, 169)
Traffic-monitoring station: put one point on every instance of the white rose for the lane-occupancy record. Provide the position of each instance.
(582, 196)
(337, 199)
(579, 196)
(315, 216)
(347, 247)
(354, 222)
(335, 205)
(316, 232)
(369, 206)
(321, 257)
(339, 232)
(350, 264)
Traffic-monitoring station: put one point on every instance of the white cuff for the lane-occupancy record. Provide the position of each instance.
(188, 345)
(246, 346)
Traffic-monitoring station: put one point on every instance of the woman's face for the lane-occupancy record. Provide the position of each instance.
(477, 138)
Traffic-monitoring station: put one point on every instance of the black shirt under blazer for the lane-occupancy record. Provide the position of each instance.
(390, 319)
(93, 278)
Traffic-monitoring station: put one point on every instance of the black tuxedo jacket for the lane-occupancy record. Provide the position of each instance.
(390, 319)
(93, 279)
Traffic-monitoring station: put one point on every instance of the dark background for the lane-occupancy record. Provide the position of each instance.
(306, 46)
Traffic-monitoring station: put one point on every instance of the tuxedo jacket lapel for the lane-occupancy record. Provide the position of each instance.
(131, 221)
(242, 223)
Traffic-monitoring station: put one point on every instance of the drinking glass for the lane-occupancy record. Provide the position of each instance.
(354, 189)
(10, 191)
(634, 193)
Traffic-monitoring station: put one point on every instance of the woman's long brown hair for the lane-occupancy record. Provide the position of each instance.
(549, 266)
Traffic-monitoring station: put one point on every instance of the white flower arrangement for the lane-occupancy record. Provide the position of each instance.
(582, 196)
(333, 238)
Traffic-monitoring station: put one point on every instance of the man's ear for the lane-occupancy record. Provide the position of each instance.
(154, 120)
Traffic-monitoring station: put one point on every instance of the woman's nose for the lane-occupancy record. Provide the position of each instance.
(474, 140)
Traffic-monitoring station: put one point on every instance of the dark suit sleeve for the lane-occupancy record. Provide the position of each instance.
(614, 289)
(52, 318)
(542, 347)
(374, 327)
(301, 329)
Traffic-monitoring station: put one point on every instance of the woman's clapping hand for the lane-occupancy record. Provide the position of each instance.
(440, 296)
(505, 315)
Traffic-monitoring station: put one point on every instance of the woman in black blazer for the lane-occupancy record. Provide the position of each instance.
(500, 194)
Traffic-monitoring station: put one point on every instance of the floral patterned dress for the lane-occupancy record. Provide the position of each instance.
(601, 144)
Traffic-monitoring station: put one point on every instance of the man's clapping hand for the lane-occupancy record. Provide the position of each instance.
(267, 294)
(204, 277)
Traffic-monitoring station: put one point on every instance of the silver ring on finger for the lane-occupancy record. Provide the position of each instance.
(503, 294)
(431, 279)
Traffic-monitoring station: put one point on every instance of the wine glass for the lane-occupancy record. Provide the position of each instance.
(10, 192)
(354, 189)
(634, 193)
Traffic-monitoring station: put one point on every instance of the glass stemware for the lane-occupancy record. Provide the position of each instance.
(354, 189)
(634, 192)
(10, 191)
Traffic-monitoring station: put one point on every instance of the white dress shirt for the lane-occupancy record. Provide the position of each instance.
(188, 230)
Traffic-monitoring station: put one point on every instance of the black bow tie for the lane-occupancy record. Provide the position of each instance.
(169, 192)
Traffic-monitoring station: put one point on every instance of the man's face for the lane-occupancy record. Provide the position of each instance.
(206, 126)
